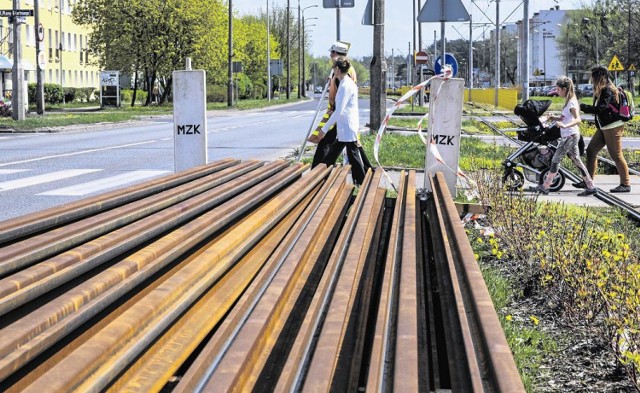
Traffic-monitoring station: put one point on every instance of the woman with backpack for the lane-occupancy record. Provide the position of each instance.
(609, 127)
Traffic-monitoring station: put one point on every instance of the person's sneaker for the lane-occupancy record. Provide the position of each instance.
(539, 189)
(621, 188)
(588, 191)
(579, 184)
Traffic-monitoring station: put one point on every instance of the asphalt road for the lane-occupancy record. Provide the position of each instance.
(41, 170)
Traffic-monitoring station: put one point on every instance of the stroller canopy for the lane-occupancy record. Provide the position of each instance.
(531, 110)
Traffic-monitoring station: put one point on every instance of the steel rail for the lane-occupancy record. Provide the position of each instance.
(205, 364)
(47, 325)
(406, 371)
(154, 369)
(122, 341)
(17, 289)
(295, 369)
(331, 364)
(252, 345)
(45, 219)
(36, 248)
(380, 375)
(479, 357)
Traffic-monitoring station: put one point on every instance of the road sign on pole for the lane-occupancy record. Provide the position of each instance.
(448, 59)
(422, 57)
(443, 11)
(615, 64)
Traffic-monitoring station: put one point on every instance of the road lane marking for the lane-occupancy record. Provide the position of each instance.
(76, 153)
(44, 178)
(11, 171)
(106, 183)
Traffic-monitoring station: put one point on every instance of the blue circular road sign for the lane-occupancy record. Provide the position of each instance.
(448, 59)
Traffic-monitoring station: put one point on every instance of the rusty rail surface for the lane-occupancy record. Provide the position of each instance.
(246, 276)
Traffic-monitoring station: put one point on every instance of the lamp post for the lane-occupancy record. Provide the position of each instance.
(586, 21)
(60, 54)
(303, 85)
(230, 68)
(288, 22)
(268, 56)
(301, 48)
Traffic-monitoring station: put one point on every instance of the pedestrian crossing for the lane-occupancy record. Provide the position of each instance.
(77, 182)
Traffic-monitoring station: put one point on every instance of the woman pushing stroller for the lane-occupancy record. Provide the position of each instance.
(568, 123)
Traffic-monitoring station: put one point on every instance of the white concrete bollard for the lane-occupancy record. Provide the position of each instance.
(189, 119)
(445, 123)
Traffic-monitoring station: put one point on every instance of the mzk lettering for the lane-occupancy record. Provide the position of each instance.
(189, 129)
(443, 139)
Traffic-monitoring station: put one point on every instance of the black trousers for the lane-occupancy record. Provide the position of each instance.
(353, 154)
(323, 146)
(322, 149)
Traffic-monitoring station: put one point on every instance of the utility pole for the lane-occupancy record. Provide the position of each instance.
(17, 96)
(497, 85)
(39, 70)
(378, 69)
(338, 23)
(299, 53)
(61, 47)
(230, 69)
(525, 53)
(268, 57)
(288, 44)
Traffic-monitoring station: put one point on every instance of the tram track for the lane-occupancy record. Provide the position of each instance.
(248, 276)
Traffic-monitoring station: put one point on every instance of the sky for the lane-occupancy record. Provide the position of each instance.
(398, 22)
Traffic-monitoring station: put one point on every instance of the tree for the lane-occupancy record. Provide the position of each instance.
(153, 37)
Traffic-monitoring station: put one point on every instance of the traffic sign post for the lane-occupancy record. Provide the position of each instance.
(448, 59)
(338, 3)
(421, 58)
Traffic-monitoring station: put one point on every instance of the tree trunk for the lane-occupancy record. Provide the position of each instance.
(166, 90)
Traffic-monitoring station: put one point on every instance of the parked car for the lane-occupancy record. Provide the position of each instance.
(585, 89)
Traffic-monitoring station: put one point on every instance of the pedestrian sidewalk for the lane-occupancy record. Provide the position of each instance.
(568, 194)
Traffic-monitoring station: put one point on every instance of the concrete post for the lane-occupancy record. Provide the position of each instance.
(189, 119)
(445, 123)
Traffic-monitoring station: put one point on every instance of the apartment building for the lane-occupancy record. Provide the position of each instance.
(64, 47)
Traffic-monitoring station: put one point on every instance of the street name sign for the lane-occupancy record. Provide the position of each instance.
(10, 13)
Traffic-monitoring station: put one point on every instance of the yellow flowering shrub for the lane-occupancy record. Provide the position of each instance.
(577, 257)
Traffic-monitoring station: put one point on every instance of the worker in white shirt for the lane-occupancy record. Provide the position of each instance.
(346, 117)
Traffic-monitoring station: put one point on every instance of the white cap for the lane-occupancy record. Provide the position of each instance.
(340, 47)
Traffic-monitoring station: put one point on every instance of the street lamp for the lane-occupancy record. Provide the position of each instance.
(301, 48)
(586, 21)
(60, 52)
(303, 84)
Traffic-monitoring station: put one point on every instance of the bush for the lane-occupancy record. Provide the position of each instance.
(52, 93)
(259, 91)
(216, 93)
(84, 94)
(69, 94)
(127, 94)
(584, 262)
(244, 86)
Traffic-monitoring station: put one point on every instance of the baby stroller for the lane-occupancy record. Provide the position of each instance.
(534, 157)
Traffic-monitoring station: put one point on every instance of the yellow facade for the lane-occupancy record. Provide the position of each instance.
(71, 62)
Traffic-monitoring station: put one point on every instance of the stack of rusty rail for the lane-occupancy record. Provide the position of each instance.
(248, 276)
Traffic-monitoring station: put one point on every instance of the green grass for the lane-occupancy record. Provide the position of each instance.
(409, 152)
(61, 115)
